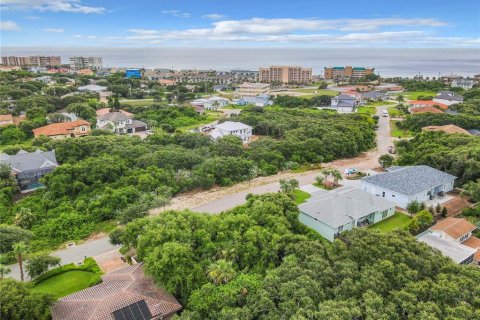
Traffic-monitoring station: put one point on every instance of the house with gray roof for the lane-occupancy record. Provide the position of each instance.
(448, 98)
(374, 96)
(29, 167)
(92, 88)
(344, 103)
(342, 209)
(459, 253)
(120, 123)
(403, 185)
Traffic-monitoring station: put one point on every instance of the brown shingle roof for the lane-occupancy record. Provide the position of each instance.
(449, 128)
(454, 227)
(104, 111)
(59, 128)
(119, 289)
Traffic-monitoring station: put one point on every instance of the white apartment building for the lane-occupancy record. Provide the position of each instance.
(252, 89)
(78, 62)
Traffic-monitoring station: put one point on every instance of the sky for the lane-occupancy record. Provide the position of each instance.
(245, 23)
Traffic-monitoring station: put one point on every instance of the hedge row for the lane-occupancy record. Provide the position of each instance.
(89, 264)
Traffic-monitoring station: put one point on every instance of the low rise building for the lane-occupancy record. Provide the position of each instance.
(79, 62)
(342, 209)
(448, 98)
(426, 109)
(448, 128)
(211, 103)
(133, 73)
(45, 79)
(62, 130)
(252, 89)
(29, 167)
(402, 185)
(120, 123)
(453, 238)
(344, 103)
(375, 96)
(427, 103)
(465, 84)
(92, 88)
(238, 129)
(258, 101)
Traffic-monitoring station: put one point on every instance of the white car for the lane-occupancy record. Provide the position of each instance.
(350, 171)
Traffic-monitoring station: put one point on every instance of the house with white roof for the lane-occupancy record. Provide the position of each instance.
(258, 101)
(458, 252)
(448, 98)
(29, 167)
(238, 129)
(92, 88)
(212, 103)
(120, 123)
(402, 185)
(342, 209)
(463, 83)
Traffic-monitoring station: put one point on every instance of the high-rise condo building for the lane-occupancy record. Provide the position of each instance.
(38, 61)
(285, 74)
(77, 63)
(347, 72)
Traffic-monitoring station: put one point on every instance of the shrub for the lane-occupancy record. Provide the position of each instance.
(89, 264)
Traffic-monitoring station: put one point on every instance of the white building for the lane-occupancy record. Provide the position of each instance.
(238, 129)
(465, 84)
(402, 185)
(77, 63)
(45, 79)
(344, 103)
(448, 98)
(212, 103)
(92, 88)
(249, 89)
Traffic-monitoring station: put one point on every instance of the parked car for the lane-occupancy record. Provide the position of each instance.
(384, 113)
(349, 171)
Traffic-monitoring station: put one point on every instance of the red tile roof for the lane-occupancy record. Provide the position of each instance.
(473, 242)
(427, 103)
(104, 111)
(448, 128)
(426, 109)
(119, 289)
(59, 128)
(454, 227)
(6, 117)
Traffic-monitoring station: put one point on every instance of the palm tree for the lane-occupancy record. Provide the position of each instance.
(4, 270)
(19, 249)
(319, 179)
(221, 272)
(336, 176)
(326, 173)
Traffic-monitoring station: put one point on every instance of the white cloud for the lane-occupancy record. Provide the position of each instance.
(214, 16)
(54, 30)
(9, 26)
(75, 6)
(177, 13)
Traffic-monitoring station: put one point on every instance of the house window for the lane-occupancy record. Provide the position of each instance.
(340, 229)
(384, 214)
(383, 194)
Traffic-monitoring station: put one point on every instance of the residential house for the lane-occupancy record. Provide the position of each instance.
(167, 82)
(6, 119)
(458, 242)
(104, 111)
(427, 109)
(29, 167)
(427, 103)
(474, 132)
(448, 98)
(92, 88)
(62, 130)
(449, 128)
(211, 103)
(344, 103)
(133, 73)
(343, 209)
(120, 123)
(402, 185)
(45, 79)
(375, 96)
(465, 84)
(238, 129)
(259, 101)
(125, 293)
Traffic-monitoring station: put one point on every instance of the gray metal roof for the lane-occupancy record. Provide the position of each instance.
(449, 248)
(29, 161)
(136, 124)
(114, 116)
(232, 126)
(341, 206)
(373, 95)
(449, 95)
(344, 97)
(410, 180)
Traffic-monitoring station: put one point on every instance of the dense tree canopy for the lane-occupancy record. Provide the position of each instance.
(258, 262)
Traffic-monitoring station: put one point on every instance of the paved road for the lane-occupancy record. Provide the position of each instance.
(365, 163)
(74, 254)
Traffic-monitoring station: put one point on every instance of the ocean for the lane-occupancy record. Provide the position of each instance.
(387, 62)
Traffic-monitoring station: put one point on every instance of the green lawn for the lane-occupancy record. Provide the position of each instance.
(398, 220)
(378, 103)
(65, 283)
(300, 196)
(211, 116)
(317, 92)
(139, 102)
(394, 112)
(367, 110)
(397, 133)
(413, 95)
